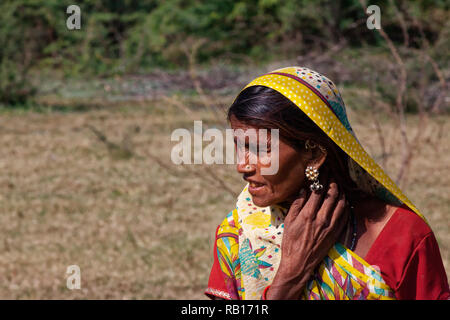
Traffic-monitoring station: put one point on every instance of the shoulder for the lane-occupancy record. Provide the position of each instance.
(407, 228)
(404, 231)
(229, 227)
(405, 246)
(423, 274)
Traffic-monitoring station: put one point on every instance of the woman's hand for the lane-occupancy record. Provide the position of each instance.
(311, 228)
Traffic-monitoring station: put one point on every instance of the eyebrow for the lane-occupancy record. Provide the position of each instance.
(268, 141)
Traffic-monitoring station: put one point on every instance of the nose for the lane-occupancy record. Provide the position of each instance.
(245, 168)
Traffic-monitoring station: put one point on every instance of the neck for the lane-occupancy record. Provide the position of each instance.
(370, 208)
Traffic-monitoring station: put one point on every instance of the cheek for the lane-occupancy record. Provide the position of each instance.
(290, 176)
(291, 179)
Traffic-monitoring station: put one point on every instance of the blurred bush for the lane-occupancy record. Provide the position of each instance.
(122, 36)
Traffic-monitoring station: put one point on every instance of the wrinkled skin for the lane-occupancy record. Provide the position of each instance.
(315, 220)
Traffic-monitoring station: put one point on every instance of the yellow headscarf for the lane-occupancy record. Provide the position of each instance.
(319, 99)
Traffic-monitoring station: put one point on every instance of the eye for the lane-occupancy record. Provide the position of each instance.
(254, 147)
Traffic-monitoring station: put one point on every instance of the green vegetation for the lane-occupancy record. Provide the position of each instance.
(129, 36)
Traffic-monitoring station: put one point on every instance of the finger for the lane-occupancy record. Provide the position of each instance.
(298, 204)
(340, 213)
(315, 199)
(338, 220)
(329, 203)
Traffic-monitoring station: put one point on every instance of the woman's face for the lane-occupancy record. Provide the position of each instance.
(282, 186)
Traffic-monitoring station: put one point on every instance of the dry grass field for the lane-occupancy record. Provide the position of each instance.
(98, 189)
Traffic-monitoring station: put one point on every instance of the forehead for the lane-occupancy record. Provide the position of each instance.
(242, 127)
(237, 124)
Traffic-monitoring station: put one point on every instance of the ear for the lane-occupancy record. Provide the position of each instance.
(318, 157)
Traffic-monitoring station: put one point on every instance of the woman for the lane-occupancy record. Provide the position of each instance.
(329, 224)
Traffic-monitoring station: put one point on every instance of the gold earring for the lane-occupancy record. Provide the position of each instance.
(312, 174)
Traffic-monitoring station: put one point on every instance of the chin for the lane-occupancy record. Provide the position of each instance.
(261, 202)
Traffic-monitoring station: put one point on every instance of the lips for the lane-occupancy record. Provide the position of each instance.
(254, 187)
(255, 184)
